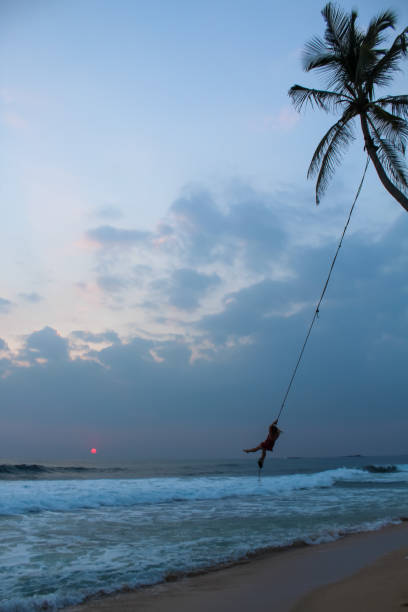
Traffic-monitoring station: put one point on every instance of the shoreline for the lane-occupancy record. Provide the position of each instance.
(282, 576)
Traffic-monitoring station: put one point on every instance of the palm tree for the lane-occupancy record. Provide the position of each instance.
(354, 63)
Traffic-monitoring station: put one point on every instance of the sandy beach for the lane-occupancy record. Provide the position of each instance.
(366, 571)
(380, 587)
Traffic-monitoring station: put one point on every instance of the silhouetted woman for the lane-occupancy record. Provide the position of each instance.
(268, 444)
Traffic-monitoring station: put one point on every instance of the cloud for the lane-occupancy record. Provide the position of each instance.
(283, 120)
(7, 96)
(150, 390)
(45, 344)
(272, 309)
(33, 297)
(245, 311)
(186, 287)
(5, 306)
(108, 236)
(211, 246)
(111, 284)
(248, 228)
(108, 336)
(203, 248)
(231, 368)
(14, 120)
(287, 118)
(3, 345)
(140, 270)
(110, 211)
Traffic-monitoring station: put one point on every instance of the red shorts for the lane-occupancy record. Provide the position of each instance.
(267, 444)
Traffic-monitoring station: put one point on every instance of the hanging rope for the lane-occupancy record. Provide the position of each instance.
(316, 312)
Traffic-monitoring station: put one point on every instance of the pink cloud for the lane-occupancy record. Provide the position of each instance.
(14, 120)
(283, 120)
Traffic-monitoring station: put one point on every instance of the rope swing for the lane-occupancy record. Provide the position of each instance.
(317, 310)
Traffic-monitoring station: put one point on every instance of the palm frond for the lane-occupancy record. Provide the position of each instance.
(315, 50)
(367, 59)
(324, 145)
(393, 161)
(399, 104)
(390, 157)
(328, 154)
(389, 126)
(326, 100)
(369, 53)
(383, 21)
(337, 23)
(355, 52)
(382, 72)
(317, 56)
(338, 54)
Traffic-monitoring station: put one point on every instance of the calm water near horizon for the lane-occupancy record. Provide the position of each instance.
(71, 530)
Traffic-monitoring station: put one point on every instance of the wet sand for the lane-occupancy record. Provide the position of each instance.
(298, 579)
(380, 587)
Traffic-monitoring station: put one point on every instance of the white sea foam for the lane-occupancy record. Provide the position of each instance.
(94, 570)
(62, 540)
(22, 497)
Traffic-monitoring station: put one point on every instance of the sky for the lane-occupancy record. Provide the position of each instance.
(162, 251)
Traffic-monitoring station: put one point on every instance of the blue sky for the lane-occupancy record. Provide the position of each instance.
(163, 250)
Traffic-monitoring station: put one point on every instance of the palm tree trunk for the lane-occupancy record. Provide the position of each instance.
(372, 152)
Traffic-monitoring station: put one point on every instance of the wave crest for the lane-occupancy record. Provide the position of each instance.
(20, 497)
(381, 469)
(31, 470)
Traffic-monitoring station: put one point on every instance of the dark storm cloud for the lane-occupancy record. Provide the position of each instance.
(33, 297)
(109, 236)
(186, 287)
(5, 306)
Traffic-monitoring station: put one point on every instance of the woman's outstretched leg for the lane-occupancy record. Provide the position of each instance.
(252, 450)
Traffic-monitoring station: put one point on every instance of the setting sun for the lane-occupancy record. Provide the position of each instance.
(93, 451)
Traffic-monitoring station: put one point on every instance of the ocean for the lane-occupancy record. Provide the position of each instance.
(68, 532)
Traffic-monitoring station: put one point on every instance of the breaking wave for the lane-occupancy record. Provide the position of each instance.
(381, 469)
(21, 497)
